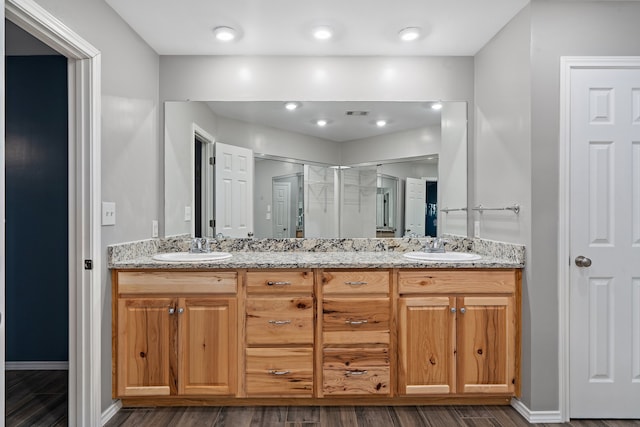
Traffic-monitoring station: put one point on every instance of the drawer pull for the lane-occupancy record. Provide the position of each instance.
(279, 322)
(274, 372)
(358, 372)
(355, 283)
(278, 283)
(356, 322)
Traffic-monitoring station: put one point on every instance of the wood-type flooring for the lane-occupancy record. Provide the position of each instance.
(39, 398)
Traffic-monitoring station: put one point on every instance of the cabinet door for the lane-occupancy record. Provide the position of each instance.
(144, 347)
(486, 344)
(427, 345)
(207, 346)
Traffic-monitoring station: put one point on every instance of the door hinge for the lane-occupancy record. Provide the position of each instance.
(212, 161)
(88, 264)
(211, 223)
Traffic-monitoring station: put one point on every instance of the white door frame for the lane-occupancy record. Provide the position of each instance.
(85, 306)
(566, 65)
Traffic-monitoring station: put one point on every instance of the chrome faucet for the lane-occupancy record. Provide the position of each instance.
(435, 244)
(199, 245)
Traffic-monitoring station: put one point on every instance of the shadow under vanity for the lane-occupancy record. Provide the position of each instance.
(316, 321)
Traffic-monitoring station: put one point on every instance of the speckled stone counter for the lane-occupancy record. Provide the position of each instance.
(316, 253)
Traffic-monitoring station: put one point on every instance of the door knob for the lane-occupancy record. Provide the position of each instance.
(583, 261)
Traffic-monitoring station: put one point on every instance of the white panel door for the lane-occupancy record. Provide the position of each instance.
(282, 210)
(234, 190)
(414, 213)
(605, 229)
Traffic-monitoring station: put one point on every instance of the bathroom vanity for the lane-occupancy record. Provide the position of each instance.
(341, 328)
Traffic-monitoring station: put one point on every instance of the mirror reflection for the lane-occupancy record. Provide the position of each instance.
(374, 169)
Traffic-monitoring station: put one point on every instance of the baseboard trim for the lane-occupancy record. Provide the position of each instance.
(37, 366)
(109, 413)
(536, 417)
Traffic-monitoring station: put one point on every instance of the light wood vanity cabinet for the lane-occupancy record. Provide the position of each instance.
(458, 332)
(279, 333)
(399, 336)
(356, 333)
(175, 333)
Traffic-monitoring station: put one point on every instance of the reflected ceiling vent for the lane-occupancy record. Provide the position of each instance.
(357, 113)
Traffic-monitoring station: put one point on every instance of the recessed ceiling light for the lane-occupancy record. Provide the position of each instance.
(436, 106)
(409, 34)
(292, 105)
(322, 122)
(225, 34)
(322, 32)
(381, 123)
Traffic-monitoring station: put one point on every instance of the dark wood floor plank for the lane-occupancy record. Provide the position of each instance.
(374, 416)
(269, 416)
(408, 416)
(304, 414)
(472, 411)
(235, 416)
(198, 416)
(440, 416)
(338, 416)
(507, 416)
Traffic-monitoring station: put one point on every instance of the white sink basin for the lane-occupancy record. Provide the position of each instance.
(191, 257)
(443, 257)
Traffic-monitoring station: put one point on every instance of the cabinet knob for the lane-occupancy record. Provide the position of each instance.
(463, 310)
(453, 309)
(172, 310)
(278, 283)
(180, 310)
(279, 322)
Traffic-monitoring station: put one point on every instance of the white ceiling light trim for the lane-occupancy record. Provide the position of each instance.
(225, 34)
(322, 32)
(410, 34)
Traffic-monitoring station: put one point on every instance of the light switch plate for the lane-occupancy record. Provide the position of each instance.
(154, 228)
(108, 213)
(476, 229)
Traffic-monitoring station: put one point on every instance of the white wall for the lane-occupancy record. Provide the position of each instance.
(131, 156)
(502, 162)
(452, 169)
(207, 78)
(559, 28)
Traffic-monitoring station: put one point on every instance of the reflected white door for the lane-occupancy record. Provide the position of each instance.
(234, 190)
(605, 229)
(282, 210)
(414, 206)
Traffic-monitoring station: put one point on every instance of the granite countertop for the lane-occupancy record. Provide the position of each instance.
(314, 260)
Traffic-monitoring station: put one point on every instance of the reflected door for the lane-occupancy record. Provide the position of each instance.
(414, 207)
(234, 190)
(281, 210)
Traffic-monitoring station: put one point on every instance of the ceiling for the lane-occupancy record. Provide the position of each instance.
(283, 27)
(342, 127)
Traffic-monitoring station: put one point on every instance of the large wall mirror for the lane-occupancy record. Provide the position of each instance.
(316, 168)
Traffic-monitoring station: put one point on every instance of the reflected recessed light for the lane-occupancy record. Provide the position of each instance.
(292, 105)
(381, 123)
(322, 33)
(322, 122)
(409, 34)
(225, 34)
(436, 106)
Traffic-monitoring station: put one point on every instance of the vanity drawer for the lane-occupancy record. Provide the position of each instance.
(356, 371)
(279, 320)
(279, 372)
(280, 282)
(177, 282)
(461, 281)
(355, 314)
(355, 282)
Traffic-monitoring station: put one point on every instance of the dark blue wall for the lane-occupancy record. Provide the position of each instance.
(36, 209)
